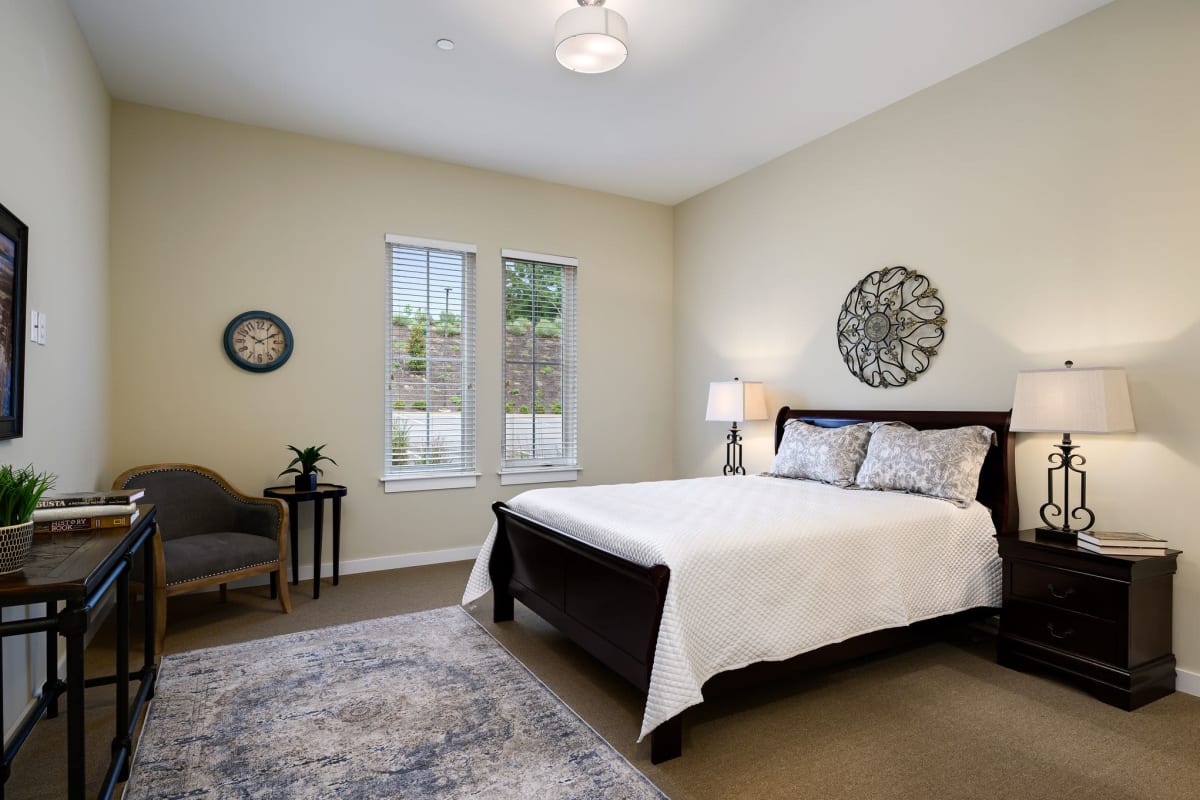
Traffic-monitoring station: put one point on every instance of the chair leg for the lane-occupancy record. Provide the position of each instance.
(285, 599)
(224, 593)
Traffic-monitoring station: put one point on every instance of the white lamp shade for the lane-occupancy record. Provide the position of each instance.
(736, 401)
(591, 39)
(1072, 401)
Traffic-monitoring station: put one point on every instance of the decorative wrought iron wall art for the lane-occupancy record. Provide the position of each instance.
(890, 327)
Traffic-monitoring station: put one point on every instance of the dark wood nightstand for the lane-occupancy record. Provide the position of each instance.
(1101, 622)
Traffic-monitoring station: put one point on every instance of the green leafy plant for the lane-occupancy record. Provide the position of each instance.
(549, 327)
(416, 349)
(420, 405)
(400, 444)
(398, 404)
(306, 460)
(508, 407)
(546, 370)
(457, 401)
(519, 326)
(450, 323)
(20, 490)
(524, 409)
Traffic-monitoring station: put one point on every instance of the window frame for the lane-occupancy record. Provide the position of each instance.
(564, 469)
(465, 474)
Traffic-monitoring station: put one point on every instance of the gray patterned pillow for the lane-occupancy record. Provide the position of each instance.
(830, 455)
(938, 463)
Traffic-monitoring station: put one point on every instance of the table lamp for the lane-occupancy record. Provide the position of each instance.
(1067, 401)
(735, 401)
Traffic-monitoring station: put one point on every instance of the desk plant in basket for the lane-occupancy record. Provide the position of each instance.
(20, 490)
(304, 466)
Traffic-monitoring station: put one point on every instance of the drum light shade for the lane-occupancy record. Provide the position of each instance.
(591, 38)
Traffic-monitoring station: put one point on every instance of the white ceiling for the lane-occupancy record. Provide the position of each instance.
(711, 88)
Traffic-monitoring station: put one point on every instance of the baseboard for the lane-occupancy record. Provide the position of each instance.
(381, 563)
(377, 564)
(1187, 682)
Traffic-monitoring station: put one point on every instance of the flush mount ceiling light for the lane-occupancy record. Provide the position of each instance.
(591, 38)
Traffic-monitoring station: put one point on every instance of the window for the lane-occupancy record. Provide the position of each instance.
(430, 413)
(540, 441)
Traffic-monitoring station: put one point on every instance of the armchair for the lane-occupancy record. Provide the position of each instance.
(209, 533)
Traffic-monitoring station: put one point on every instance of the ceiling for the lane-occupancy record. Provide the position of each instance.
(711, 88)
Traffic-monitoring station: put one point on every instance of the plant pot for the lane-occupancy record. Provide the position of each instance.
(306, 482)
(14, 546)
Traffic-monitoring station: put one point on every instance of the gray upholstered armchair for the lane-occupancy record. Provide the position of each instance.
(209, 533)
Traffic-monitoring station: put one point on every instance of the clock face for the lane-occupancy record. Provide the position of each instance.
(258, 341)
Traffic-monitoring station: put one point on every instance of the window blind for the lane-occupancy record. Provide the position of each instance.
(430, 403)
(540, 403)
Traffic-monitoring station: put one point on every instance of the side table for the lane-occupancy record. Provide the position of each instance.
(293, 498)
(1102, 622)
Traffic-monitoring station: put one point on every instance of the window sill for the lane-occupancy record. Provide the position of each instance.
(520, 475)
(428, 483)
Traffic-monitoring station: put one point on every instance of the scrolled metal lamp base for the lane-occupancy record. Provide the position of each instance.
(733, 452)
(1068, 461)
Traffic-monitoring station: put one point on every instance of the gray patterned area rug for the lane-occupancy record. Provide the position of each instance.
(414, 706)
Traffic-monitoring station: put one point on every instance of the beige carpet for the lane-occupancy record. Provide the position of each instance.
(940, 721)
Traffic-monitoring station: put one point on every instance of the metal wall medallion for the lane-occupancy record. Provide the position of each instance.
(890, 327)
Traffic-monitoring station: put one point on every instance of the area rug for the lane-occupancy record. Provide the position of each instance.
(415, 706)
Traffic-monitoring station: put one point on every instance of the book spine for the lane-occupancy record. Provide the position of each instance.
(82, 524)
(47, 514)
(91, 500)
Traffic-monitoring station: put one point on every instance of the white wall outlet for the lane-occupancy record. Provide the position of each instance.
(42, 327)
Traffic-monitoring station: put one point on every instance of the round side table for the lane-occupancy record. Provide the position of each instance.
(293, 498)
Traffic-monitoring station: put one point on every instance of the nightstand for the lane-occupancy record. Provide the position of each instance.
(1101, 622)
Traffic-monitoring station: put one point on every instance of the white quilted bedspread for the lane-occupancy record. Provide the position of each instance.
(764, 569)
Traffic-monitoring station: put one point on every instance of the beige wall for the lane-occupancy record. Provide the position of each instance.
(210, 219)
(55, 178)
(1051, 196)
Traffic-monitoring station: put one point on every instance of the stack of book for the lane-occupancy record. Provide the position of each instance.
(86, 511)
(1121, 544)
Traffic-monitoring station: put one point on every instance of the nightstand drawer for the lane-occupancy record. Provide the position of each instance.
(1065, 630)
(1069, 590)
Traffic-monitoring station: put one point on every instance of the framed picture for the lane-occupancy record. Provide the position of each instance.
(14, 242)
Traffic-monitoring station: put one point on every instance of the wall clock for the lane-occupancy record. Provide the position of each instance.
(258, 341)
(890, 327)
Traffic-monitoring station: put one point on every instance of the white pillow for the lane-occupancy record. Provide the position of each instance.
(829, 455)
(939, 463)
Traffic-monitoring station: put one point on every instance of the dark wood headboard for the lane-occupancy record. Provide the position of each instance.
(997, 478)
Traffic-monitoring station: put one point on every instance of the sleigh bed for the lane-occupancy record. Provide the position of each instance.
(613, 607)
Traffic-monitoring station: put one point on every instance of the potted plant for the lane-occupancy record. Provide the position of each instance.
(304, 466)
(20, 490)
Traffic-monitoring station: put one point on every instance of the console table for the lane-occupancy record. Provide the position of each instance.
(78, 570)
(294, 498)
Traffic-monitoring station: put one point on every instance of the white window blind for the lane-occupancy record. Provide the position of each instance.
(430, 413)
(540, 388)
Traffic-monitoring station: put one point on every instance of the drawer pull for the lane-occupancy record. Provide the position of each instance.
(1056, 634)
(1064, 594)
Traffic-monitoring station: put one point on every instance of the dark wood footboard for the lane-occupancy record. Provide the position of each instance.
(608, 606)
